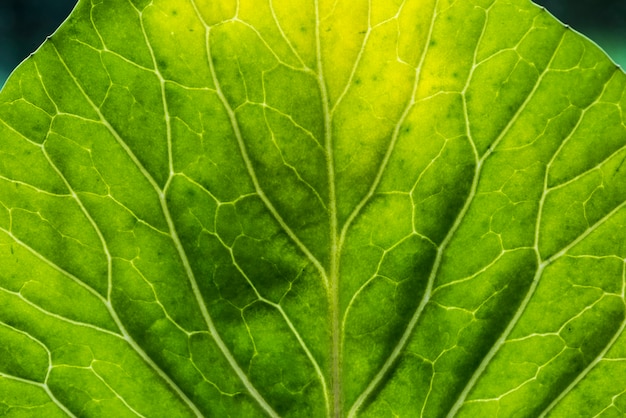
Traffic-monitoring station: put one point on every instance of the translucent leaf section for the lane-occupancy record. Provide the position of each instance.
(299, 208)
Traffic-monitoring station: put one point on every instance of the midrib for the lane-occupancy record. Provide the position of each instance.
(335, 410)
(336, 384)
(333, 289)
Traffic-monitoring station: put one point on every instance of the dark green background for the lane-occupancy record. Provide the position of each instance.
(24, 24)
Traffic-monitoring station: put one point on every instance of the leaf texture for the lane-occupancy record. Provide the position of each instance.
(313, 208)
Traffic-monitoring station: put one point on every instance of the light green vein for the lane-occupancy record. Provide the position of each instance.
(107, 302)
(43, 385)
(235, 126)
(542, 264)
(376, 380)
(244, 153)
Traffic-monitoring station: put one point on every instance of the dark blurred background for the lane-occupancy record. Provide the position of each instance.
(604, 21)
(24, 24)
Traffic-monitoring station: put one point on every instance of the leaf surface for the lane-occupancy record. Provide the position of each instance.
(313, 208)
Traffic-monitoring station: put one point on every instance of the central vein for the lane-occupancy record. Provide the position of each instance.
(333, 288)
(334, 261)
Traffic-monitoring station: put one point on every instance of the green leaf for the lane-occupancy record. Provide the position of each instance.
(313, 208)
